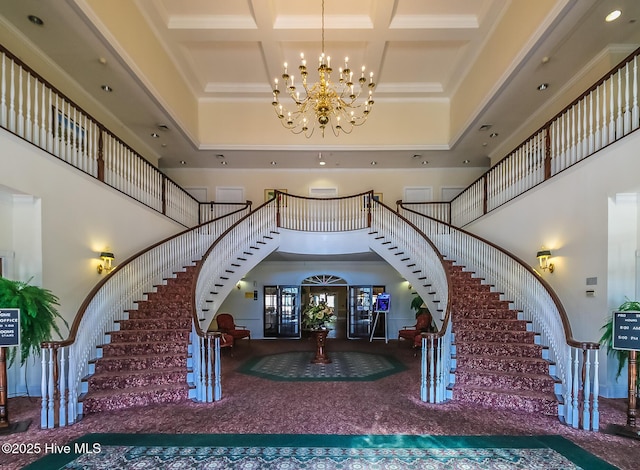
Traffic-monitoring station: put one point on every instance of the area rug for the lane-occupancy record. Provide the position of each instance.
(344, 366)
(290, 451)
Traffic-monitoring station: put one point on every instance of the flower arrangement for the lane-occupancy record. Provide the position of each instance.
(316, 315)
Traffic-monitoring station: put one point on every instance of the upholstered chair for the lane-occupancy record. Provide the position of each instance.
(412, 332)
(227, 325)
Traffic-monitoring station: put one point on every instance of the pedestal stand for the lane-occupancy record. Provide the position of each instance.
(321, 354)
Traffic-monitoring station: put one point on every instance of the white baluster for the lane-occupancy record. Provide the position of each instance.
(423, 371)
(586, 411)
(596, 390)
(12, 98)
(28, 129)
(62, 380)
(44, 420)
(574, 398)
(635, 113)
(217, 393)
(3, 93)
(598, 136)
(51, 391)
(627, 95)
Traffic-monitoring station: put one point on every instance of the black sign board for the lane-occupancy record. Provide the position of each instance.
(9, 327)
(626, 331)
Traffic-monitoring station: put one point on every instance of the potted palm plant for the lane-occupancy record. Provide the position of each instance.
(38, 315)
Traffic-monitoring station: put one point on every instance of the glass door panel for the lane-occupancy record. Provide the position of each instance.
(361, 302)
(289, 320)
(281, 312)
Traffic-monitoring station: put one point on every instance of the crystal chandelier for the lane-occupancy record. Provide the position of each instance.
(324, 104)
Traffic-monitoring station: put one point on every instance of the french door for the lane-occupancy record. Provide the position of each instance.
(281, 312)
(361, 302)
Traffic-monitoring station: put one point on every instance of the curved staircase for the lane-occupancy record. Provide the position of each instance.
(498, 361)
(145, 361)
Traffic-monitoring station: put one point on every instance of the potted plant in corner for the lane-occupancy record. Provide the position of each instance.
(38, 315)
(607, 338)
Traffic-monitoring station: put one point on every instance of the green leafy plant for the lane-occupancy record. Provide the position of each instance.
(607, 336)
(38, 315)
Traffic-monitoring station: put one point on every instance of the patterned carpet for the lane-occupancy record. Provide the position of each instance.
(288, 451)
(345, 366)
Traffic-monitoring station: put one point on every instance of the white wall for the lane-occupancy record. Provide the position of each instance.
(56, 220)
(249, 312)
(569, 215)
(390, 183)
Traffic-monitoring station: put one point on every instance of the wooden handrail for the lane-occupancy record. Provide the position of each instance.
(556, 300)
(83, 307)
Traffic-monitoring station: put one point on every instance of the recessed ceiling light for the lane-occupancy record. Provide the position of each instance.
(466, 162)
(274, 163)
(543, 86)
(36, 20)
(424, 162)
(614, 15)
(493, 135)
(182, 162)
(322, 163)
(155, 135)
(223, 162)
(107, 88)
(374, 163)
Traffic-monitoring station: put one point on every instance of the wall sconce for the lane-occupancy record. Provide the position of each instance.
(543, 257)
(107, 257)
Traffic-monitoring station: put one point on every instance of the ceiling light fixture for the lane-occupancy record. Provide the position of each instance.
(324, 103)
(321, 162)
(36, 20)
(543, 86)
(107, 88)
(614, 15)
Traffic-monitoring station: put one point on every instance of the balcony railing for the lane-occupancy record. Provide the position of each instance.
(36, 111)
(604, 114)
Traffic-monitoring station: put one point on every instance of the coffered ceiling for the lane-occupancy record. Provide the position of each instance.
(199, 73)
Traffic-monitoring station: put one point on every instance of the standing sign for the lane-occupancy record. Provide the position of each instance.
(9, 336)
(9, 327)
(626, 331)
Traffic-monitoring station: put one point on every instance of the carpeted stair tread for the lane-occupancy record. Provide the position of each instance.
(470, 335)
(108, 399)
(489, 324)
(519, 400)
(141, 348)
(148, 335)
(504, 380)
(114, 380)
(160, 323)
(523, 364)
(149, 361)
(499, 348)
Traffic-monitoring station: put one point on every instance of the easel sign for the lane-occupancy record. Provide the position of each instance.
(9, 336)
(626, 337)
